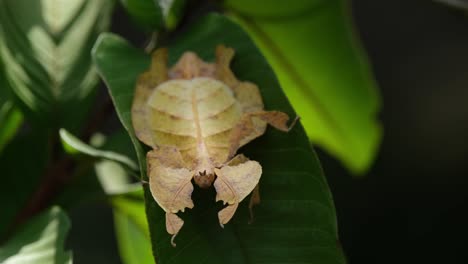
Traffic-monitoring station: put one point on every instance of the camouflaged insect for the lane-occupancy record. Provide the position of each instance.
(195, 116)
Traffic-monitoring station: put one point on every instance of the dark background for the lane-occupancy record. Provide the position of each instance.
(411, 207)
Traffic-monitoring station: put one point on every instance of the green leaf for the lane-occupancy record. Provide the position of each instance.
(154, 14)
(46, 46)
(73, 145)
(22, 165)
(108, 172)
(115, 178)
(323, 71)
(131, 228)
(145, 13)
(172, 11)
(96, 178)
(121, 89)
(296, 221)
(127, 202)
(41, 241)
(10, 117)
(10, 120)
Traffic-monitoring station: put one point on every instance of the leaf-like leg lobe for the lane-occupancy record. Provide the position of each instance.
(170, 184)
(173, 225)
(226, 214)
(145, 85)
(233, 184)
(252, 125)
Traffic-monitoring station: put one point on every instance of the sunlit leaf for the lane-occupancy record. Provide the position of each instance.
(323, 71)
(40, 241)
(73, 146)
(46, 45)
(97, 175)
(132, 228)
(296, 221)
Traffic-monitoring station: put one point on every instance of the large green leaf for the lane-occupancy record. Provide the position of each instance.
(41, 241)
(296, 221)
(46, 45)
(323, 71)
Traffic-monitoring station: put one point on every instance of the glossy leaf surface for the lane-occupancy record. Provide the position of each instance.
(323, 71)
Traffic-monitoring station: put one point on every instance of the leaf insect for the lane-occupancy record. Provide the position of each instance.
(195, 116)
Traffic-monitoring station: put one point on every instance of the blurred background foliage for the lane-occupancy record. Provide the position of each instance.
(64, 152)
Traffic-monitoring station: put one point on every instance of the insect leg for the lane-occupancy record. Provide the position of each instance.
(170, 185)
(252, 125)
(233, 184)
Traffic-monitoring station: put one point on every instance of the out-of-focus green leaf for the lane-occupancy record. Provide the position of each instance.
(113, 177)
(273, 9)
(125, 197)
(94, 179)
(10, 120)
(172, 11)
(46, 45)
(461, 4)
(121, 91)
(22, 165)
(10, 117)
(132, 228)
(41, 241)
(154, 14)
(127, 201)
(145, 13)
(323, 71)
(296, 221)
(73, 145)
